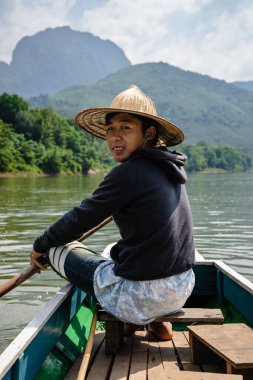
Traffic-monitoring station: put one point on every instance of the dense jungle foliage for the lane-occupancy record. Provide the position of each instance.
(41, 141)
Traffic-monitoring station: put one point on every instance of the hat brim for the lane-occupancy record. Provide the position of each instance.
(93, 121)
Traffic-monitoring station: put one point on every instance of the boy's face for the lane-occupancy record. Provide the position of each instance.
(124, 136)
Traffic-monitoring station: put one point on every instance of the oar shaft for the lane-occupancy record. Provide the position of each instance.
(94, 229)
(18, 279)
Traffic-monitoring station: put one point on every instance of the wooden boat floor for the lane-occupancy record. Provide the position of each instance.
(142, 357)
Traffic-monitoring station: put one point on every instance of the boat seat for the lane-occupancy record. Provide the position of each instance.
(232, 343)
(115, 328)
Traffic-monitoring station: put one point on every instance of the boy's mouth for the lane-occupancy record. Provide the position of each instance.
(117, 149)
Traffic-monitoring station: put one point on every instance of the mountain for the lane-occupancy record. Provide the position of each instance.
(247, 85)
(58, 58)
(205, 108)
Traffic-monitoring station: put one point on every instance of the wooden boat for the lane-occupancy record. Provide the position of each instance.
(49, 347)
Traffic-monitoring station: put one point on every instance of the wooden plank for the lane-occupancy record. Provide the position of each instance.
(101, 366)
(141, 339)
(232, 342)
(184, 315)
(122, 361)
(190, 315)
(247, 373)
(168, 355)
(186, 334)
(200, 353)
(138, 369)
(155, 364)
(188, 375)
(73, 372)
(182, 347)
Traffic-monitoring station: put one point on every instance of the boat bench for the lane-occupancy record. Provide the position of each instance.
(232, 343)
(115, 328)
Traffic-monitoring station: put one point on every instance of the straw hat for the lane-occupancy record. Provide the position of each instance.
(133, 101)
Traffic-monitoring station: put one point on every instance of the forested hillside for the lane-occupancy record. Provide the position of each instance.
(205, 108)
(247, 85)
(40, 141)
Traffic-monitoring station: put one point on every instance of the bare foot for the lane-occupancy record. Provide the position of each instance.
(162, 330)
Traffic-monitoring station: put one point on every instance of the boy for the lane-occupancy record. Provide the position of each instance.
(149, 273)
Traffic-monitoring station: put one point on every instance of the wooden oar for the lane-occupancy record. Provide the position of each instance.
(88, 348)
(29, 272)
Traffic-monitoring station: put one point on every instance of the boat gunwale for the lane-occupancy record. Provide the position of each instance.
(28, 333)
(228, 271)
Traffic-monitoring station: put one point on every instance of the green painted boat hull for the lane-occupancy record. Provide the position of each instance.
(58, 343)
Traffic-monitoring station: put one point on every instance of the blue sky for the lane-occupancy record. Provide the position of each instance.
(213, 37)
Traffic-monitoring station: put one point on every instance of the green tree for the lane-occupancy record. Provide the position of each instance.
(10, 105)
(10, 157)
(29, 123)
(52, 162)
(196, 158)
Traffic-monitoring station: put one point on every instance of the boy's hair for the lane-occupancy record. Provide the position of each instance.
(146, 124)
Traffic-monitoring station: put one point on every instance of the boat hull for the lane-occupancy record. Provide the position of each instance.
(51, 342)
(49, 345)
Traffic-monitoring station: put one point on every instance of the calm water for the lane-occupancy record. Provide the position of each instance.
(223, 223)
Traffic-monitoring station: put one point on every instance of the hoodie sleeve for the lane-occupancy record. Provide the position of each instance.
(113, 193)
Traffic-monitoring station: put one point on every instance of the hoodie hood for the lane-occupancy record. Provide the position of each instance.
(171, 162)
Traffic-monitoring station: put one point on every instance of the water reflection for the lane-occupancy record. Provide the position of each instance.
(222, 214)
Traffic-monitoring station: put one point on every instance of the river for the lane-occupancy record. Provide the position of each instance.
(221, 203)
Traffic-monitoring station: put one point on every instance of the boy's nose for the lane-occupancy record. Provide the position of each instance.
(116, 135)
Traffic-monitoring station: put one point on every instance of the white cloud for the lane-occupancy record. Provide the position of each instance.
(212, 37)
(194, 35)
(26, 17)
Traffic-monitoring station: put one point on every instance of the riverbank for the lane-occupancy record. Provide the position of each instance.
(30, 174)
(103, 172)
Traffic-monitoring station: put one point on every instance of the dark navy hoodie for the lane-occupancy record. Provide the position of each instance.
(147, 197)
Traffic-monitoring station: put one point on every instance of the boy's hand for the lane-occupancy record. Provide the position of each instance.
(38, 259)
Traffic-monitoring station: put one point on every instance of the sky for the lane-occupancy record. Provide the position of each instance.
(210, 37)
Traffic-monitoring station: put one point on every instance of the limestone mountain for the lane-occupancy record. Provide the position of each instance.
(58, 58)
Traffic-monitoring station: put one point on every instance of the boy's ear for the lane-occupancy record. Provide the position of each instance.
(150, 133)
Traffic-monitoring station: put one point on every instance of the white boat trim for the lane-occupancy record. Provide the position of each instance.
(227, 270)
(198, 256)
(19, 344)
(235, 276)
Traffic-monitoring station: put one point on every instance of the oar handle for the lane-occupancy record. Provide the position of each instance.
(30, 271)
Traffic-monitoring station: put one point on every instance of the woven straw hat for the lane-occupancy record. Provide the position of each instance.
(133, 101)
